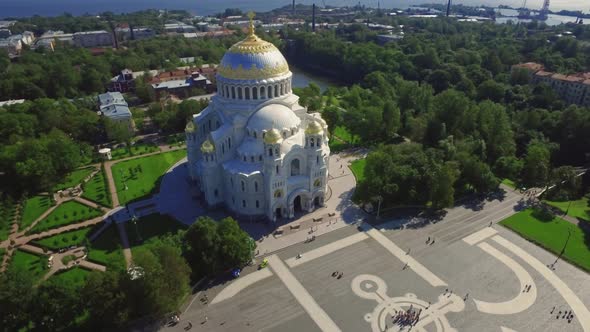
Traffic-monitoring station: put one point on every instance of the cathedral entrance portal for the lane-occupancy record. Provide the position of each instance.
(278, 213)
(316, 202)
(297, 204)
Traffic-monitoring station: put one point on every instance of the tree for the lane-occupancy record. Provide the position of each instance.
(491, 90)
(391, 119)
(567, 183)
(17, 300)
(105, 298)
(333, 117)
(57, 306)
(536, 167)
(508, 167)
(118, 131)
(442, 191)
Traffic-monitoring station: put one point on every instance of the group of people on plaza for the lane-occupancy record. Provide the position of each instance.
(407, 318)
(563, 315)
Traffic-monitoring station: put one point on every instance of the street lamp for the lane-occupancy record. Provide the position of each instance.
(379, 199)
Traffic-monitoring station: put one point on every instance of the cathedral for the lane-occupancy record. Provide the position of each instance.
(254, 149)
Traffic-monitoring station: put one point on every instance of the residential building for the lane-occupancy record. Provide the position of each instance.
(124, 82)
(5, 33)
(50, 38)
(573, 89)
(125, 33)
(93, 38)
(179, 27)
(181, 83)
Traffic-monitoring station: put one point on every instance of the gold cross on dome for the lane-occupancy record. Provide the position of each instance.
(251, 27)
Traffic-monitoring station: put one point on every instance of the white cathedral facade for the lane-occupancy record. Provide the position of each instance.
(254, 149)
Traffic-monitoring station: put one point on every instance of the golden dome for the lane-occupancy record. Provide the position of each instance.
(207, 147)
(272, 136)
(190, 127)
(253, 59)
(313, 128)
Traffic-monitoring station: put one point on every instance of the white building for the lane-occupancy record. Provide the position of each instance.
(113, 106)
(93, 38)
(254, 149)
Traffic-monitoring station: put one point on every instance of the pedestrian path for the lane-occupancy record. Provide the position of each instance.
(125, 243)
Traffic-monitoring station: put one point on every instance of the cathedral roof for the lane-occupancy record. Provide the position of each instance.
(275, 116)
(253, 59)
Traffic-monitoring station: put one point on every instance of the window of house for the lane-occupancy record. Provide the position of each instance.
(243, 203)
(277, 169)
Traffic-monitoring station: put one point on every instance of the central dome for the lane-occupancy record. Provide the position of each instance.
(253, 59)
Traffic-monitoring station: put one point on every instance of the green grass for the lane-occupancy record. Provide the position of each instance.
(150, 227)
(33, 208)
(96, 190)
(552, 235)
(358, 169)
(75, 277)
(142, 174)
(106, 249)
(36, 265)
(344, 134)
(67, 213)
(577, 209)
(341, 139)
(509, 183)
(137, 149)
(74, 178)
(63, 240)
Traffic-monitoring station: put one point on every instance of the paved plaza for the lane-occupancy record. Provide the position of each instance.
(475, 277)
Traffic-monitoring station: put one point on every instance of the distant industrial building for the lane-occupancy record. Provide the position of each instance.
(126, 33)
(93, 38)
(179, 27)
(573, 89)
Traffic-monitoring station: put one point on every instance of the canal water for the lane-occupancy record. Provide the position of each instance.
(301, 79)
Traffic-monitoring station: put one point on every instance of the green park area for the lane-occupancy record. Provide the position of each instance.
(63, 240)
(34, 264)
(96, 190)
(75, 277)
(33, 208)
(139, 177)
(577, 209)
(2, 252)
(358, 169)
(135, 150)
(74, 178)
(341, 139)
(552, 233)
(151, 227)
(106, 249)
(67, 213)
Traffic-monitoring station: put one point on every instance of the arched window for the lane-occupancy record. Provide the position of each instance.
(311, 142)
(276, 91)
(270, 152)
(317, 159)
(262, 92)
(229, 142)
(227, 91)
(240, 93)
(295, 167)
(257, 204)
(252, 158)
(217, 125)
(317, 183)
(278, 193)
(247, 92)
(292, 132)
(254, 134)
(222, 148)
(233, 92)
(209, 124)
(216, 193)
(244, 158)
(281, 89)
(277, 169)
(243, 186)
(270, 95)
(256, 186)
(243, 203)
(319, 142)
(254, 93)
(231, 181)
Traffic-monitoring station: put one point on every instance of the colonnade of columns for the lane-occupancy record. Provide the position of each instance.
(256, 92)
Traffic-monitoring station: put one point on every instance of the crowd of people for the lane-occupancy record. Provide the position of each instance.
(409, 317)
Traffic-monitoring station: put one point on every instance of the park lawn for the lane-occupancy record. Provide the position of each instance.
(137, 149)
(75, 277)
(151, 227)
(74, 178)
(96, 190)
(142, 174)
(63, 240)
(577, 209)
(107, 249)
(36, 265)
(33, 208)
(552, 235)
(509, 183)
(358, 169)
(67, 213)
(344, 134)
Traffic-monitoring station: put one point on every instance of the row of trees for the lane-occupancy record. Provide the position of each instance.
(110, 300)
